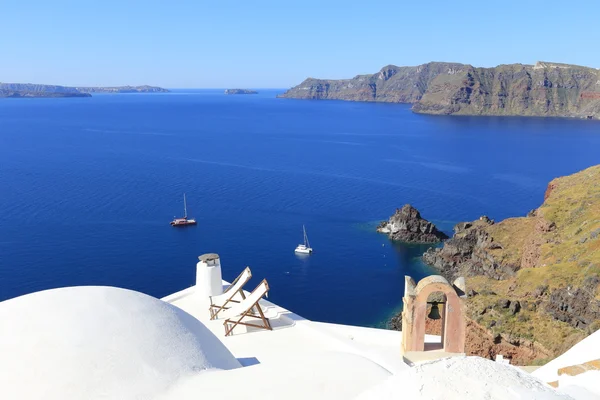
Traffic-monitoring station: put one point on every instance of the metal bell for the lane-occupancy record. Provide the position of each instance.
(435, 311)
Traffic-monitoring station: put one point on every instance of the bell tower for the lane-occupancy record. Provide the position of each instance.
(415, 311)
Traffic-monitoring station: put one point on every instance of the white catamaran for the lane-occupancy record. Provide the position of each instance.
(183, 221)
(304, 248)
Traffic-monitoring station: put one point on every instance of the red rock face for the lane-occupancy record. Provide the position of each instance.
(551, 187)
(482, 343)
(532, 248)
(531, 252)
(590, 95)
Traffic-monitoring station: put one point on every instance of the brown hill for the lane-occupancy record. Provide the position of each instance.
(533, 281)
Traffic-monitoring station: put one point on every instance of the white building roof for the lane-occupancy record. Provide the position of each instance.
(460, 378)
(313, 375)
(586, 350)
(109, 343)
(100, 342)
(294, 335)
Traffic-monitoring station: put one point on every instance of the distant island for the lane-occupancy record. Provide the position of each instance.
(544, 89)
(240, 91)
(26, 94)
(123, 89)
(16, 90)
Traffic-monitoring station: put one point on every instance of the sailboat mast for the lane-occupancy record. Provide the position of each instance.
(305, 237)
(184, 207)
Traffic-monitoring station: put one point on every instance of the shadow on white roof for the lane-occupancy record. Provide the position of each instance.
(314, 375)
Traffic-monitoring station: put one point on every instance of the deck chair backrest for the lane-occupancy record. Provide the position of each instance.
(239, 282)
(260, 291)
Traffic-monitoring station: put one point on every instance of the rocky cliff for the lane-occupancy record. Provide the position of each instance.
(534, 281)
(407, 225)
(544, 89)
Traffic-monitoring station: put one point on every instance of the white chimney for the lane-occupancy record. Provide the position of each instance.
(209, 281)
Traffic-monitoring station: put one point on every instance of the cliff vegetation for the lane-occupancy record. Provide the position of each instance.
(534, 281)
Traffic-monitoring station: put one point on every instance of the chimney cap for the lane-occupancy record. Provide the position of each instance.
(208, 257)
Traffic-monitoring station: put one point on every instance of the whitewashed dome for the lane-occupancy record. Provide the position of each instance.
(460, 378)
(100, 342)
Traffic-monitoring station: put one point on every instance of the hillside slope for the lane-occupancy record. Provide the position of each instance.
(544, 89)
(534, 279)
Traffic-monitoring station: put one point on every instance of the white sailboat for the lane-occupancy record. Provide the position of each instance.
(304, 248)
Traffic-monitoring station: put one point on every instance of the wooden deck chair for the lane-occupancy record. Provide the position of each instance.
(245, 309)
(222, 301)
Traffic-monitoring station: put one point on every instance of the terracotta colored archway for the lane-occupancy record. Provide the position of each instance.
(415, 312)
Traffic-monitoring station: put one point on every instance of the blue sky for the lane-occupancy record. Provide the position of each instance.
(262, 44)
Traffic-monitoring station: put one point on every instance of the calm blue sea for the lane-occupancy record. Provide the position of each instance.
(88, 187)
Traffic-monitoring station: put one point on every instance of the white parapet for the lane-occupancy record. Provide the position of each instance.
(500, 359)
(209, 280)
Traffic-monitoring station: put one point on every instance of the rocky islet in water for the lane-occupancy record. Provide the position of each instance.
(407, 225)
(240, 91)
